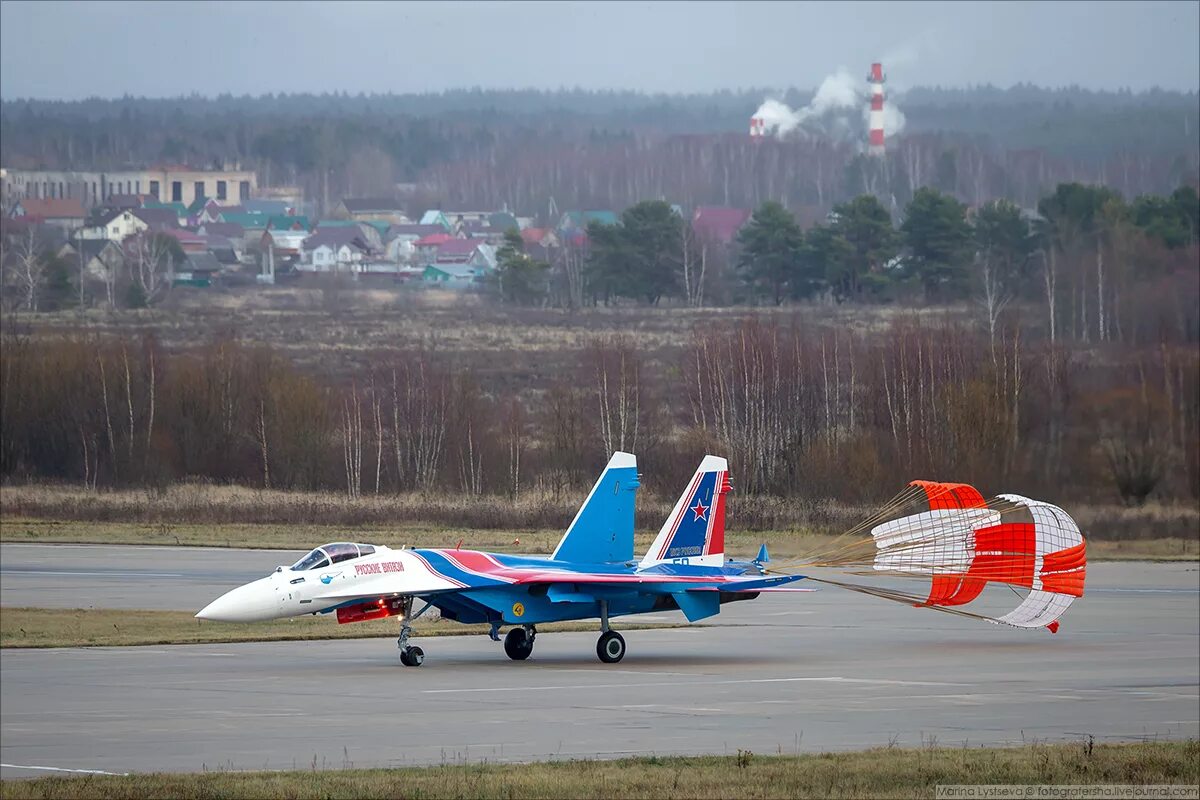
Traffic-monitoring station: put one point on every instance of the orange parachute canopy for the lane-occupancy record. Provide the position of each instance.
(948, 533)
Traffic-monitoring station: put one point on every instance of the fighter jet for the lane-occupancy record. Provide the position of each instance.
(592, 574)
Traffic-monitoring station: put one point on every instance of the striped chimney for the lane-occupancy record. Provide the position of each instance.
(758, 127)
(875, 120)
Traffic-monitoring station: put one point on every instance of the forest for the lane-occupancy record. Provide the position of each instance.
(526, 150)
(1009, 298)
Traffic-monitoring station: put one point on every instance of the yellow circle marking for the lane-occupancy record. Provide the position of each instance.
(518, 610)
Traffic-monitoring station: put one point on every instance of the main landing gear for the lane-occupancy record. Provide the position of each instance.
(611, 645)
(518, 642)
(409, 656)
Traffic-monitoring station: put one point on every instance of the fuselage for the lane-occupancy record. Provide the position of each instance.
(468, 586)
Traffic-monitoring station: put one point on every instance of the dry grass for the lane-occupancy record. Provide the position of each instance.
(200, 504)
(883, 773)
(782, 544)
(101, 627)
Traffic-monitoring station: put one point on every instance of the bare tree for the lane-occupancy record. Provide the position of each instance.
(153, 264)
(618, 390)
(30, 266)
(994, 298)
(694, 260)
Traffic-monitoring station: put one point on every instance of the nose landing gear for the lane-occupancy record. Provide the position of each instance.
(409, 656)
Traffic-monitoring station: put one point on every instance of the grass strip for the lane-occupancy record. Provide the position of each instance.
(881, 773)
(104, 627)
(782, 544)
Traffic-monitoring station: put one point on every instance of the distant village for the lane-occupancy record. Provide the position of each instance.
(231, 233)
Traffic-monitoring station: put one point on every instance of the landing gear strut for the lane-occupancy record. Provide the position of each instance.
(409, 656)
(518, 643)
(611, 645)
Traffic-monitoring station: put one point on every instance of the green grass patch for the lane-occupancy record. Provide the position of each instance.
(102, 627)
(890, 773)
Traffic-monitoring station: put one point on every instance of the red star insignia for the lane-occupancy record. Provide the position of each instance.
(699, 510)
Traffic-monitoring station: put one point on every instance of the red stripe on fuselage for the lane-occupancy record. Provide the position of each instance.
(433, 571)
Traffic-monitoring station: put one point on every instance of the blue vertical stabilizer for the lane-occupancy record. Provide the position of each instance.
(602, 531)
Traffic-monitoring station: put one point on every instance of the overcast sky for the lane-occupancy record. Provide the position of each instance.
(73, 50)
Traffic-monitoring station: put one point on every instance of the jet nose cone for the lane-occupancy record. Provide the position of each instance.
(250, 603)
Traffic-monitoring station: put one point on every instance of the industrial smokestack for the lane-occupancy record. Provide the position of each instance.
(758, 127)
(875, 119)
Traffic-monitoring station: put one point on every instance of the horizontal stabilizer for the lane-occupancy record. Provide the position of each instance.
(697, 606)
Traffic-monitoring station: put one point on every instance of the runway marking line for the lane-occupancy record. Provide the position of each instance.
(62, 769)
(826, 679)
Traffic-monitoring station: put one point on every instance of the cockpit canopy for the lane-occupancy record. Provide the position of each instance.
(328, 554)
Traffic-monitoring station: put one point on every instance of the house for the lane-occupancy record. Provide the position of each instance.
(62, 212)
(545, 237)
(399, 240)
(226, 250)
(189, 241)
(332, 248)
(458, 218)
(181, 212)
(159, 218)
(198, 269)
(453, 276)
(368, 233)
(426, 247)
(284, 222)
(271, 208)
(284, 244)
(230, 230)
(100, 256)
(113, 225)
(471, 252)
(577, 221)
(484, 232)
(718, 224)
(211, 211)
(435, 217)
(365, 209)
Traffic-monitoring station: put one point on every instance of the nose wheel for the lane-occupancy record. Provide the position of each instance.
(412, 656)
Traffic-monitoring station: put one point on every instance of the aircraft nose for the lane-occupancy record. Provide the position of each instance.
(250, 603)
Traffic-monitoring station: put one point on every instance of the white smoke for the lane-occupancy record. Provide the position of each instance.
(831, 112)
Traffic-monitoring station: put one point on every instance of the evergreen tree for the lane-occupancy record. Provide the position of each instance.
(522, 280)
(872, 243)
(939, 242)
(770, 252)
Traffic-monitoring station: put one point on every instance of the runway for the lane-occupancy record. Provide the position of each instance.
(813, 672)
(107, 576)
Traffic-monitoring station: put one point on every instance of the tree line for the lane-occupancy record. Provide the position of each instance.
(803, 409)
(1100, 268)
(486, 149)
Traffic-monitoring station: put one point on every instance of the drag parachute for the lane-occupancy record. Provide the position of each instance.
(947, 534)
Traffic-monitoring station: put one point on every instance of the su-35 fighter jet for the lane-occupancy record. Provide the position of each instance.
(592, 574)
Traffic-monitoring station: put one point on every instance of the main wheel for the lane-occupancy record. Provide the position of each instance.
(518, 644)
(412, 656)
(610, 647)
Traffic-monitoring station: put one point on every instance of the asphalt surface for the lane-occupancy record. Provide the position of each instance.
(825, 671)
